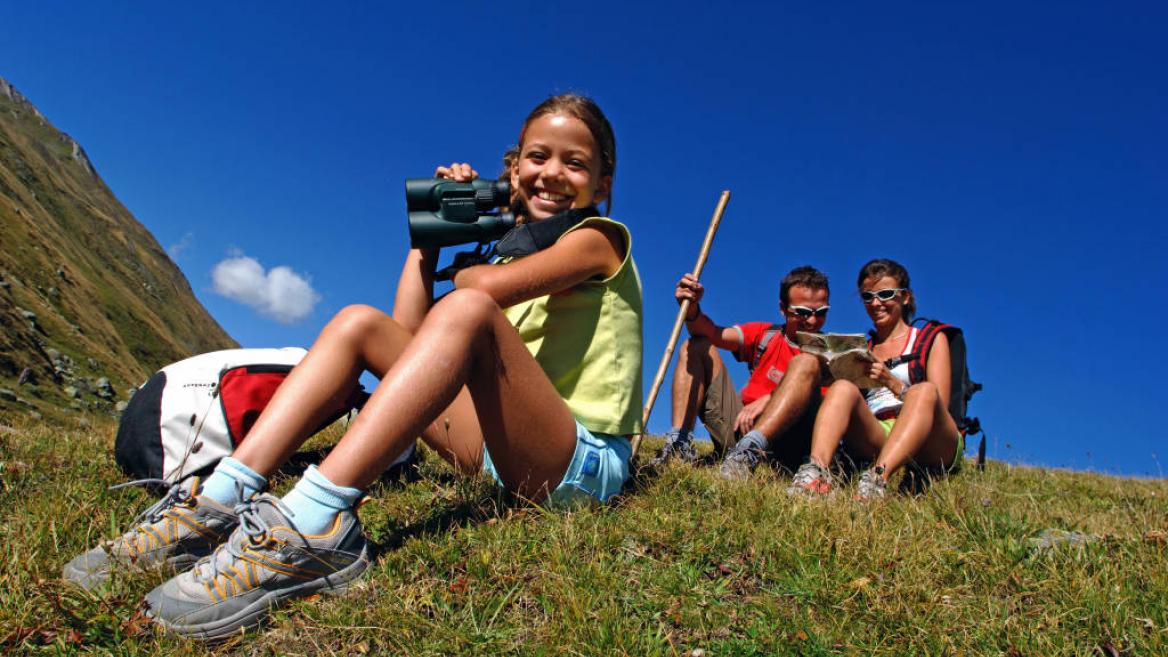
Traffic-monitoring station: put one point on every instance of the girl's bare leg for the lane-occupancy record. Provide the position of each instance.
(924, 431)
(844, 414)
(358, 338)
(464, 340)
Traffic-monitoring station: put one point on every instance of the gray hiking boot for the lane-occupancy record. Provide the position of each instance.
(740, 462)
(810, 480)
(871, 487)
(678, 445)
(263, 564)
(171, 535)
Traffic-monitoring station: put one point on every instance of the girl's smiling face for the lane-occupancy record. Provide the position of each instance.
(558, 167)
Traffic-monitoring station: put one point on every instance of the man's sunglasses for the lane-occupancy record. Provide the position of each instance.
(887, 294)
(805, 312)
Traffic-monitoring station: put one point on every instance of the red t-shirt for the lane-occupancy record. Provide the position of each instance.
(773, 365)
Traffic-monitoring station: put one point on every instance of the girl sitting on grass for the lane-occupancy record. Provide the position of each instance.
(530, 369)
(898, 423)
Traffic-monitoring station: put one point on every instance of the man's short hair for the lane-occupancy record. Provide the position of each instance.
(807, 276)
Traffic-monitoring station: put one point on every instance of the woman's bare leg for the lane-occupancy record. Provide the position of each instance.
(845, 415)
(924, 431)
(464, 340)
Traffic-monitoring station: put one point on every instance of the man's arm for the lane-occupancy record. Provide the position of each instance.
(722, 337)
(698, 323)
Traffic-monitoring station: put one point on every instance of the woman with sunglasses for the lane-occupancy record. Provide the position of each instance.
(898, 423)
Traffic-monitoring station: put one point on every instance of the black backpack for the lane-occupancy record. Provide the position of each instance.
(962, 388)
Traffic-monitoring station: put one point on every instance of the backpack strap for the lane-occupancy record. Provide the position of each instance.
(527, 238)
(895, 361)
(917, 358)
(920, 354)
(915, 355)
(767, 336)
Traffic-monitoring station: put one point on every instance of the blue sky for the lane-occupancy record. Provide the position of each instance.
(1012, 155)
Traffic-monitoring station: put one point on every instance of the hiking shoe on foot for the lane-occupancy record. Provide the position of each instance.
(676, 446)
(263, 564)
(740, 462)
(871, 487)
(171, 535)
(810, 480)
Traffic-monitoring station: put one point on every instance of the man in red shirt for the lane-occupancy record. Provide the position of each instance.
(776, 410)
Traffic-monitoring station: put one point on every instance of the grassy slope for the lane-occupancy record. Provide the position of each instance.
(687, 562)
(104, 292)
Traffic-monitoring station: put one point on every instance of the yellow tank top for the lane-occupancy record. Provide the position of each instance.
(588, 341)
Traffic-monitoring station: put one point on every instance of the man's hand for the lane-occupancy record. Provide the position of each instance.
(689, 288)
(749, 413)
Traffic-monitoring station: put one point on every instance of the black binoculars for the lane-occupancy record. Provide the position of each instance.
(444, 212)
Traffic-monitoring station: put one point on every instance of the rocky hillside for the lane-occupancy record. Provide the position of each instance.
(90, 303)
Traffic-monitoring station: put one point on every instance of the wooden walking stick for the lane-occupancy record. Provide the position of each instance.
(681, 313)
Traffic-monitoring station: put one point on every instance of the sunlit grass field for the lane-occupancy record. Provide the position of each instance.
(1009, 561)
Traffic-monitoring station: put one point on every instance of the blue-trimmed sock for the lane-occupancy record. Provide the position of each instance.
(233, 482)
(315, 502)
(752, 440)
(679, 435)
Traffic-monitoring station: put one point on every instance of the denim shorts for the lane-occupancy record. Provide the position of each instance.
(599, 468)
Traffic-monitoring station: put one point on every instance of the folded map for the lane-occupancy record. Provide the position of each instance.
(844, 356)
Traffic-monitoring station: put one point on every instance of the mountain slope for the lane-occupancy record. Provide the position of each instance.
(90, 303)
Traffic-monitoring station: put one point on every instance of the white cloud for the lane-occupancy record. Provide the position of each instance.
(185, 243)
(281, 293)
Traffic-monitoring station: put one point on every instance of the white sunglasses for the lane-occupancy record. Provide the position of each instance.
(805, 312)
(886, 294)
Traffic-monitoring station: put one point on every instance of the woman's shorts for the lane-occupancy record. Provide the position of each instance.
(599, 469)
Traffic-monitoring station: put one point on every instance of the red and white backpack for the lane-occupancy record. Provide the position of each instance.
(194, 412)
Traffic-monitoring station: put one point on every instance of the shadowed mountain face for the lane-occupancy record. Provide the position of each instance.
(90, 303)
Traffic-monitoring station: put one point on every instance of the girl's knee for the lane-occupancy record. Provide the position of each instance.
(465, 306)
(356, 319)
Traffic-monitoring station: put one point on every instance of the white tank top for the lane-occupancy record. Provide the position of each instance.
(882, 400)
